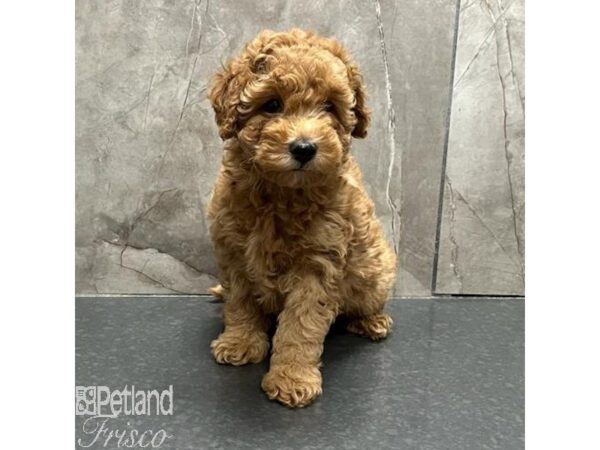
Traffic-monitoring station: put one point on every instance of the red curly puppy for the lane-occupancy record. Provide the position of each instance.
(294, 231)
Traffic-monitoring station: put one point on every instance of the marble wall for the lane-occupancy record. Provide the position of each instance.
(482, 230)
(147, 149)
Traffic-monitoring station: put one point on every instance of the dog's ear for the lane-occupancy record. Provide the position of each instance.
(361, 111)
(224, 97)
(228, 84)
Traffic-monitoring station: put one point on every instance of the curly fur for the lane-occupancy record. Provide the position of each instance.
(303, 245)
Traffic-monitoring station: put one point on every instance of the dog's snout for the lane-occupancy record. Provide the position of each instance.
(303, 150)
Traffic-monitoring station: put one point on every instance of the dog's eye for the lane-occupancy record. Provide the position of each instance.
(273, 106)
(328, 107)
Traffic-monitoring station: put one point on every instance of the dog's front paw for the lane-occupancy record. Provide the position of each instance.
(238, 347)
(293, 385)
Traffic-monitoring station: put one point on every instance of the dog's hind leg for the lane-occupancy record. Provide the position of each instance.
(217, 291)
(375, 326)
(365, 301)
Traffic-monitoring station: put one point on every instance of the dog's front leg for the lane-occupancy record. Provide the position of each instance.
(294, 378)
(244, 339)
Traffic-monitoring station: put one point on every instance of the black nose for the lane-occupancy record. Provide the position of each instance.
(303, 151)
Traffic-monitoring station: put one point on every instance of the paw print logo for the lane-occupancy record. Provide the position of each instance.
(85, 400)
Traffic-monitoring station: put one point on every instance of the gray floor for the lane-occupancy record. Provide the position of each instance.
(449, 377)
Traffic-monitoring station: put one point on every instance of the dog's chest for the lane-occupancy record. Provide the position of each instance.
(283, 244)
(275, 242)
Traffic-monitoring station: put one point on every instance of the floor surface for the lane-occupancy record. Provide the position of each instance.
(450, 376)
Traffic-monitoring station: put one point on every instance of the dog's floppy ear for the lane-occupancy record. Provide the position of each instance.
(224, 97)
(361, 111)
(228, 84)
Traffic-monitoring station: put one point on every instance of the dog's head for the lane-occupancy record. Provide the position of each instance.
(293, 100)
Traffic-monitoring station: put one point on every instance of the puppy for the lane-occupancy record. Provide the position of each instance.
(294, 231)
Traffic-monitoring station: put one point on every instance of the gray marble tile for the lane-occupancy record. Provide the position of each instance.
(450, 376)
(482, 236)
(148, 150)
(419, 38)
